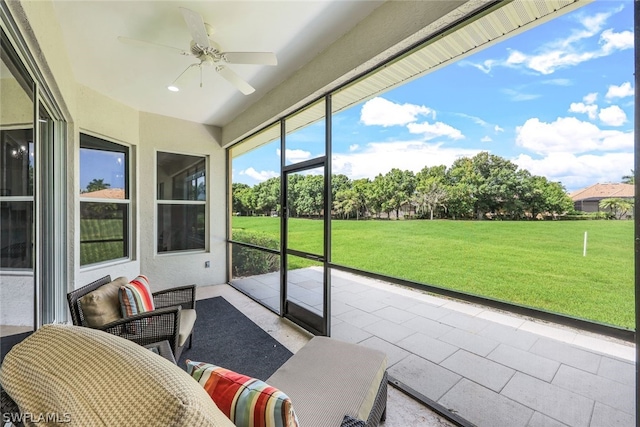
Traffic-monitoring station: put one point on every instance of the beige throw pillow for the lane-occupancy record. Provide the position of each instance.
(102, 306)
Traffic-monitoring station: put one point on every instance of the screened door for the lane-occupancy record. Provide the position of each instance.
(306, 282)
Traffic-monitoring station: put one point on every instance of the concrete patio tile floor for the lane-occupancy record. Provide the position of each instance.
(491, 368)
(402, 411)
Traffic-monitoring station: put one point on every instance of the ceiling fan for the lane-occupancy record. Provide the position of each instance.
(209, 53)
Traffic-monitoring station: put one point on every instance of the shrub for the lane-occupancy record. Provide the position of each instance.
(248, 261)
(585, 216)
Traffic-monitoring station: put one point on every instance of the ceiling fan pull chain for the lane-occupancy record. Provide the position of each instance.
(200, 75)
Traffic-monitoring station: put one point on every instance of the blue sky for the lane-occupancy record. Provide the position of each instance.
(105, 165)
(558, 100)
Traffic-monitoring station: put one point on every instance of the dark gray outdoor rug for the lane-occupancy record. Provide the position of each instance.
(225, 337)
(7, 343)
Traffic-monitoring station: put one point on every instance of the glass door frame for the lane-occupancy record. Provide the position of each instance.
(50, 122)
(297, 314)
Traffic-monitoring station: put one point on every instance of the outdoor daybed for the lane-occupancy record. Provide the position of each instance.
(86, 377)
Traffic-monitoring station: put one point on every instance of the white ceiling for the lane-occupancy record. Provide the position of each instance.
(296, 31)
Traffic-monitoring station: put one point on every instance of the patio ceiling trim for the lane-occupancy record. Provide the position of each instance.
(495, 25)
(489, 27)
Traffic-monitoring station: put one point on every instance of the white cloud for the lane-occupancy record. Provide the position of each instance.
(558, 82)
(485, 66)
(498, 129)
(380, 157)
(578, 171)
(519, 96)
(567, 51)
(613, 116)
(475, 119)
(381, 112)
(295, 156)
(590, 98)
(580, 107)
(259, 176)
(548, 62)
(621, 91)
(516, 58)
(592, 25)
(486, 138)
(353, 147)
(570, 135)
(552, 60)
(435, 130)
(611, 41)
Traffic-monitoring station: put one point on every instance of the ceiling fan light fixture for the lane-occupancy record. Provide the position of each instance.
(209, 53)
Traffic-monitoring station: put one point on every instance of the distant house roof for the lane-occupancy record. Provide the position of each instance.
(107, 193)
(604, 191)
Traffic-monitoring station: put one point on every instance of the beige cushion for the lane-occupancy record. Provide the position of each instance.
(187, 320)
(328, 379)
(98, 379)
(102, 306)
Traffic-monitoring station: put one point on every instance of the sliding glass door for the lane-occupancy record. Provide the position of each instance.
(33, 244)
(17, 195)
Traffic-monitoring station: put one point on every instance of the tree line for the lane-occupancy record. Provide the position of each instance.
(482, 186)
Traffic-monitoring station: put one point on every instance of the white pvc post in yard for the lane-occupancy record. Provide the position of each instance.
(584, 250)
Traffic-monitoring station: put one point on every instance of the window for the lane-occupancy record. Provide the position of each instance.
(181, 196)
(104, 200)
(16, 193)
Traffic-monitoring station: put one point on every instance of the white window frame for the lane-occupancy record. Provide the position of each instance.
(129, 238)
(162, 202)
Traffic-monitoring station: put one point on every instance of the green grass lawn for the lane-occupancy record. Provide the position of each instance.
(533, 263)
(100, 229)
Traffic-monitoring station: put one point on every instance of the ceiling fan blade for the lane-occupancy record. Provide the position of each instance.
(145, 44)
(260, 58)
(235, 80)
(196, 27)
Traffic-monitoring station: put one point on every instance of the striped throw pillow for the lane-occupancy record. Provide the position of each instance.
(248, 402)
(135, 297)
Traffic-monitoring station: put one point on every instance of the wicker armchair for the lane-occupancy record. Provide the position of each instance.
(9, 410)
(161, 324)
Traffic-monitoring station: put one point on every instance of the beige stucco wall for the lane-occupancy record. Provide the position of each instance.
(46, 43)
(146, 134)
(161, 133)
(16, 107)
